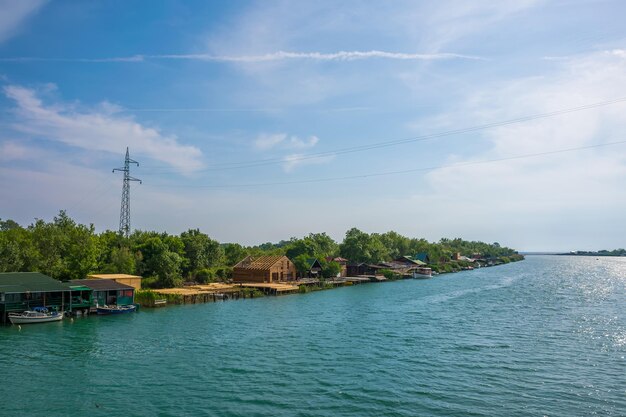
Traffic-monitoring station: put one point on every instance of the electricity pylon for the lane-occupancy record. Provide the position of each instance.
(125, 211)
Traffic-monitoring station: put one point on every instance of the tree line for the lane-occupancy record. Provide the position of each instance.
(65, 250)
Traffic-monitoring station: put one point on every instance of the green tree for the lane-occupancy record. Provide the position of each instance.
(234, 253)
(330, 269)
(302, 264)
(167, 264)
(66, 250)
(17, 252)
(359, 246)
(200, 251)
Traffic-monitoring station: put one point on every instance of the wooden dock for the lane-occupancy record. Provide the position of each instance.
(272, 288)
(203, 293)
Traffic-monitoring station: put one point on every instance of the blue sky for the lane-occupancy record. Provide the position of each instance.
(260, 120)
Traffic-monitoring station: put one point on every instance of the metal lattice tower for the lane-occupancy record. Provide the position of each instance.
(125, 211)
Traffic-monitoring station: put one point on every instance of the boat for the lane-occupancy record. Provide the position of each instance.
(422, 273)
(36, 315)
(106, 309)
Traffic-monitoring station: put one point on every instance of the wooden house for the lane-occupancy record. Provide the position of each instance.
(363, 268)
(132, 280)
(315, 268)
(107, 291)
(343, 263)
(21, 291)
(264, 269)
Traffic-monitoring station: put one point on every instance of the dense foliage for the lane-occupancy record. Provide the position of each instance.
(603, 252)
(67, 250)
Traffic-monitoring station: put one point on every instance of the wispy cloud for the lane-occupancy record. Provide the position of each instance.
(269, 57)
(13, 14)
(96, 130)
(293, 161)
(284, 142)
(133, 58)
(319, 56)
(545, 195)
(269, 141)
(12, 151)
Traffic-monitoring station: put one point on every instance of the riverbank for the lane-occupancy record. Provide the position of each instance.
(214, 292)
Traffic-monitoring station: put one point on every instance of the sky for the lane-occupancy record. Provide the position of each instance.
(258, 121)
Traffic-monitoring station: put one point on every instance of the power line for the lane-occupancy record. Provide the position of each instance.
(384, 144)
(406, 171)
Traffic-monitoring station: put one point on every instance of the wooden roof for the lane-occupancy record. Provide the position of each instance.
(260, 262)
(112, 276)
(101, 284)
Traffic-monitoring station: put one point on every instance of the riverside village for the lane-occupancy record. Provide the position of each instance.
(52, 270)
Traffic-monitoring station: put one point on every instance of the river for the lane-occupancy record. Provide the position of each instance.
(542, 337)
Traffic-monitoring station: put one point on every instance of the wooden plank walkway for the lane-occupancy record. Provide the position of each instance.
(269, 287)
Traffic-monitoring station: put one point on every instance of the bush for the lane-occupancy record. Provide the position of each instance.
(205, 275)
(150, 282)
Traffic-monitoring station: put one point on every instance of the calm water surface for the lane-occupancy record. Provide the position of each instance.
(546, 336)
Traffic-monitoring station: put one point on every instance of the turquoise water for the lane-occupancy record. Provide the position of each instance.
(546, 336)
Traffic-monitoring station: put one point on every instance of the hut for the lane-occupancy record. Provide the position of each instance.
(132, 280)
(264, 269)
(314, 268)
(108, 291)
(343, 263)
(21, 291)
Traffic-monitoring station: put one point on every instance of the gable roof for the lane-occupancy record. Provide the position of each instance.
(312, 263)
(19, 282)
(422, 256)
(409, 260)
(336, 259)
(101, 284)
(260, 262)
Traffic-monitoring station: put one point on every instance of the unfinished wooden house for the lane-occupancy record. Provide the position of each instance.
(264, 269)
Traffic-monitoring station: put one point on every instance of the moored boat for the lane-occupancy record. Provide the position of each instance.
(106, 309)
(422, 273)
(36, 315)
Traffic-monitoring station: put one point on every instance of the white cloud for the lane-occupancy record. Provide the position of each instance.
(97, 130)
(268, 141)
(13, 13)
(269, 57)
(537, 198)
(283, 141)
(317, 56)
(11, 151)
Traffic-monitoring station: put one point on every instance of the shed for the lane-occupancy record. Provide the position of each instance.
(132, 280)
(315, 268)
(108, 291)
(422, 256)
(20, 291)
(264, 269)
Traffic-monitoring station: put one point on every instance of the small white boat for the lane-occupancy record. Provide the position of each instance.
(36, 315)
(116, 309)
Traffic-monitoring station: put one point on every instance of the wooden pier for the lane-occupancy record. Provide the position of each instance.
(272, 288)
